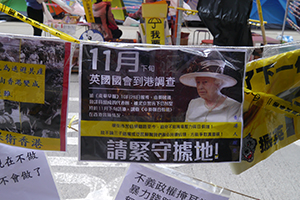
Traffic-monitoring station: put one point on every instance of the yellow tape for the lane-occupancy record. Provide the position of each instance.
(143, 29)
(256, 21)
(188, 10)
(71, 121)
(52, 31)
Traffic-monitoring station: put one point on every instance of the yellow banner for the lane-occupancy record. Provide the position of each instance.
(22, 82)
(159, 130)
(87, 4)
(34, 23)
(155, 31)
(271, 107)
(158, 9)
(31, 142)
(270, 102)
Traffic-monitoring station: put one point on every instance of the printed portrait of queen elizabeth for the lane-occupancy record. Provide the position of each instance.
(208, 77)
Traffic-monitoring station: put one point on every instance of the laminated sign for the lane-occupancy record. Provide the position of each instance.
(33, 92)
(150, 105)
(25, 174)
(155, 15)
(141, 183)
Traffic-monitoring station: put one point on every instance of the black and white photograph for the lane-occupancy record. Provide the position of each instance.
(206, 74)
(29, 116)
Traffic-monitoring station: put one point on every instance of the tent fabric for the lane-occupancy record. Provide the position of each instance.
(273, 12)
(53, 8)
(19, 5)
(119, 14)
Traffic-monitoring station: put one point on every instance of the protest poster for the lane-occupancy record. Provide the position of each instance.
(271, 107)
(134, 104)
(25, 174)
(142, 182)
(34, 78)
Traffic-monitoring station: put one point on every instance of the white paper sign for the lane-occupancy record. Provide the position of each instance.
(142, 183)
(25, 174)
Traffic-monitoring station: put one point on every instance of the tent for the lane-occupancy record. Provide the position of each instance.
(273, 12)
(19, 6)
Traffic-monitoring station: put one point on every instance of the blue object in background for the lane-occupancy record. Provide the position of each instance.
(273, 12)
(92, 34)
(130, 3)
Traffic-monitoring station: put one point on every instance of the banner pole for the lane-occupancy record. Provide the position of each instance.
(178, 22)
(259, 9)
(284, 20)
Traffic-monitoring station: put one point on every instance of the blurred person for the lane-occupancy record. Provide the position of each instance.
(4, 55)
(35, 12)
(33, 58)
(105, 21)
(6, 121)
(138, 14)
(22, 57)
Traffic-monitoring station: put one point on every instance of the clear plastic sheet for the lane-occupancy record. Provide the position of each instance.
(34, 91)
(146, 99)
(272, 50)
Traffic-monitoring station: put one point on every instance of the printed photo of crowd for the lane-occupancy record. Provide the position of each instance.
(41, 120)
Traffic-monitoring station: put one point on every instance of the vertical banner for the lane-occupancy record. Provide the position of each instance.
(25, 174)
(144, 183)
(34, 78)
(271, 108)
(155, 15)
(150, 105)
(155, 30)
(87, 4)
